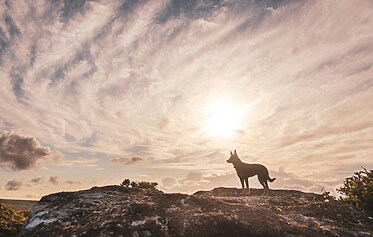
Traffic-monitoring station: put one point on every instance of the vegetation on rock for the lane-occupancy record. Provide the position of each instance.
(11, 221)
(358, 190)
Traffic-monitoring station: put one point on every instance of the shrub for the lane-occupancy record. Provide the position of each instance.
(147, 185)
(142, 184)
(126, 183)
(358, 190)
(11, 220)
(134, 184)
(327, 197)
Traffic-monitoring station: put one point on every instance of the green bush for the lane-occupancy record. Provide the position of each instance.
(358, 190)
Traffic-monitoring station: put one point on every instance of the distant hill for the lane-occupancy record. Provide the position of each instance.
(19, 205)
(123, 211)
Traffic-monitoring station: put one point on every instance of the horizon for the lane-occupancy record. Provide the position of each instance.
(95, 92)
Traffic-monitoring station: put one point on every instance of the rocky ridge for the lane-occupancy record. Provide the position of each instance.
(122, 211)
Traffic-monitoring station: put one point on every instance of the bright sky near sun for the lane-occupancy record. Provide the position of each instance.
(224, 118)
(93, 92)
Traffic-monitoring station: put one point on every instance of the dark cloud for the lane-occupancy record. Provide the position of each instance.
(72, 7)
(61, 71)
(54, 180)
(33, 54)
(17, 86)
(129, 7)
(14, 184)
(3, 44)
(19, 153)
(128, 161)
(11, 25)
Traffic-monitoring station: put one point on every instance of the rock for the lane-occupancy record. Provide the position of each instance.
(122, 211)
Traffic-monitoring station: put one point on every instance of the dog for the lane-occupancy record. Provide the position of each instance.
(245, 171)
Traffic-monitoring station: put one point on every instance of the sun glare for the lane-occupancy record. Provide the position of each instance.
(224, 118)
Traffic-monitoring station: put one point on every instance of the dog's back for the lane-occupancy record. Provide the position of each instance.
(245, 170)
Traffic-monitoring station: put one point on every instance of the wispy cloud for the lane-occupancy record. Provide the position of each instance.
(122, 79)
(128, 161)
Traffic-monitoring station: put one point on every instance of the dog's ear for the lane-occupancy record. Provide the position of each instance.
(231, 153)
(235, 152)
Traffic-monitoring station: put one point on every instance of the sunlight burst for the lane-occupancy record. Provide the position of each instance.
(224, 118)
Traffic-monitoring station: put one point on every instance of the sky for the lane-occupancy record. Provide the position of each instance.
(93, 92)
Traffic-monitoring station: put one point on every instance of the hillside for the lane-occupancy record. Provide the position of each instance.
(19, 205)
(121, 211)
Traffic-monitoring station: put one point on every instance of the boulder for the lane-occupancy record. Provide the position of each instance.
(123, 211)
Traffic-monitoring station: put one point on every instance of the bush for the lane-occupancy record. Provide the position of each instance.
(134, 184)
(126, 183)
(11, 220)
(327, 197)
(142, 184)
(147, 185)
(358, 190)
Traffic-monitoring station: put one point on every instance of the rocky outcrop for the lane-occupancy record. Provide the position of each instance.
(121, 211)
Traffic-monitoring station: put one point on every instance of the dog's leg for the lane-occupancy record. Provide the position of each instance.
(263, 182)
(247, 185)
(243, 185)
(267, 187)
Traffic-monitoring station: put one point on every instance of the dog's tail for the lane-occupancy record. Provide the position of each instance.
(271, 180)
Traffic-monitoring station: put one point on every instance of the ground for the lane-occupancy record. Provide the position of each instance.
(122, 211)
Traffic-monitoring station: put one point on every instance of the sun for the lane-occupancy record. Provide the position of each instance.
(224, 118)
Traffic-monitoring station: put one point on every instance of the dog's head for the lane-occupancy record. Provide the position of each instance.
(234, 157)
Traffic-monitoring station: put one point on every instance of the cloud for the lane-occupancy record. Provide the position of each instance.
(196, 181)
(72, 182)
(128, 161)
(54, 180)
(18, 152)
(13, 185)
(78, 161)
(194, 176)
(36, 180)
(91, 77)
(168, 182)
